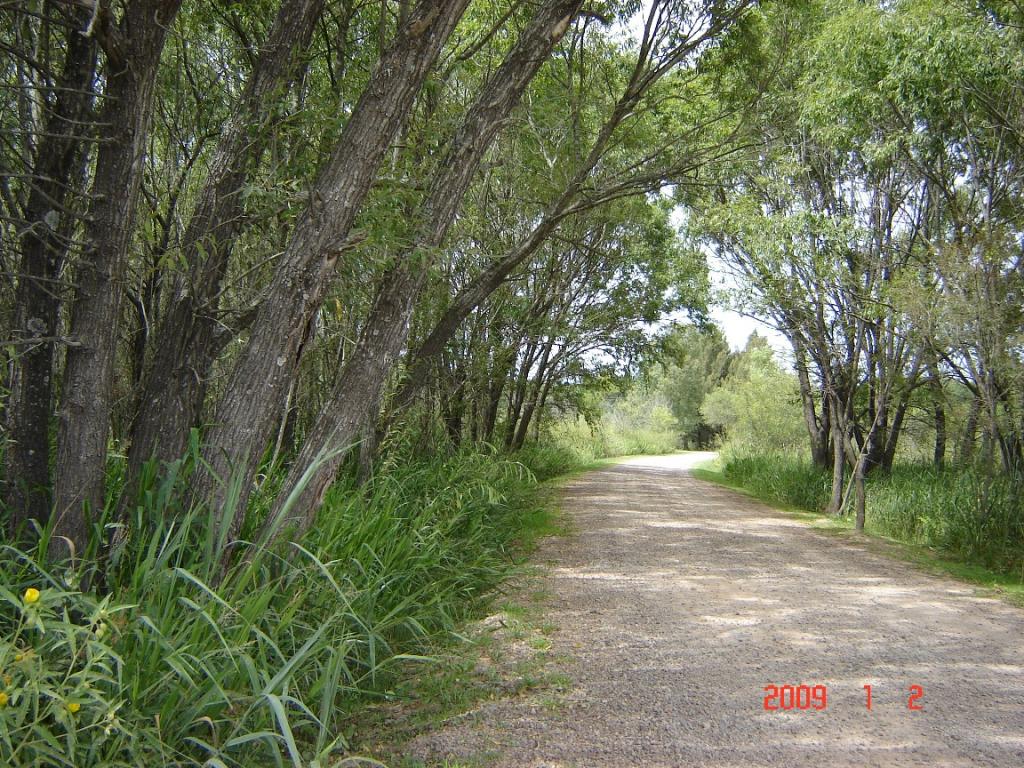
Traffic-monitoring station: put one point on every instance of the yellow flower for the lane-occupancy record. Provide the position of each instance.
(73, 707)
(18, 657)
(3, 699)
(31, 595)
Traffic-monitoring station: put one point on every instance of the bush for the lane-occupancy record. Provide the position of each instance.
(174, 663)
(758, 404)
(551, 459)
(639, 422)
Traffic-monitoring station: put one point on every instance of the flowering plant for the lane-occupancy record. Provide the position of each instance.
(58, 674)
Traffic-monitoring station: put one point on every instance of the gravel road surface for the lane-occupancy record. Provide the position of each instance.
(678, 601)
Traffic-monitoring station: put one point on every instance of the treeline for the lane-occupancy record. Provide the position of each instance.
(297, 225)
(285, 284)
(878, 225)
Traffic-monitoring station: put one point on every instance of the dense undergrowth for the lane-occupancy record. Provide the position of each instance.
(963, 512)
(572, 441)
(168, 660)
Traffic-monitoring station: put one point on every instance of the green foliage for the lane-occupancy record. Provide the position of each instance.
(640, 422)
(758, 404)
(975, 516)
(780, 478)
(557, 455)
(697, 361)
(58, 686)
(962, 512)
(177, 664)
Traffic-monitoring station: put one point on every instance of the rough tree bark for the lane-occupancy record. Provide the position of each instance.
(186, 345)
(48, 222)
(245, 415)
(133, 57)
(357, 394)
(835, 504)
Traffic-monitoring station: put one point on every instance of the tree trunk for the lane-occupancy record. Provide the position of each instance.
(495, 389)
(95, 317)
(860, 496)
(518, 394)
(185, 350)
(895, 430)
(245, 415)
(488, 281)
(969, 435)
(48, 224)
(368, 451)
(522, 430)
(453, 413)
(878, 419)
(817, 428)
(835, 505)
(939, 455)
(542, 402)
(357, 394)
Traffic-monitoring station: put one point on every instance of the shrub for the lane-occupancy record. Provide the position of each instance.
(638, 423)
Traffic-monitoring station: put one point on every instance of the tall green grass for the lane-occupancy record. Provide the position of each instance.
(168, 661)
(968, 513)
(963, 512)
(780, 478)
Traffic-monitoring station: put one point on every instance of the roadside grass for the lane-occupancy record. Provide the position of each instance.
(504, 654)
(167, 659)
(293, 655)
(1002, 583)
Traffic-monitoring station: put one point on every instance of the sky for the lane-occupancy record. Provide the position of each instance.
(738, 328)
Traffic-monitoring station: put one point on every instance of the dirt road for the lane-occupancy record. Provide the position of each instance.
(678, 601)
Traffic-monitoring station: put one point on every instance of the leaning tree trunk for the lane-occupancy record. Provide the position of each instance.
(643, 76)
(95, 317)
(499, 376)
(860, 495)
(533, 399)
(48, 224)
(895, 430)
(487, 282)
(186, 346)
(517, 395)
(358, 392)
(246, 413)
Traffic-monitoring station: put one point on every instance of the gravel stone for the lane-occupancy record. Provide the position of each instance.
(678, 601)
